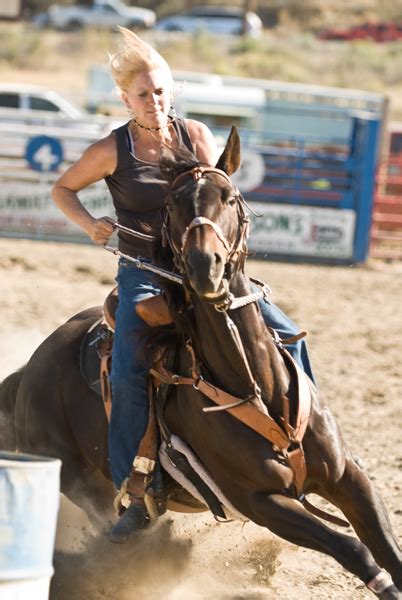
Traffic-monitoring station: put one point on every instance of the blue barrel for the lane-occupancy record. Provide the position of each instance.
(29, 505)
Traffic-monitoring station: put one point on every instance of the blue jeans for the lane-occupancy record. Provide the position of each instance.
(128, 377)
(275, 318)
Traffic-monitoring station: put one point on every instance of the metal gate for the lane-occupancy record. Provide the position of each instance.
(313, 193)
(386, 230)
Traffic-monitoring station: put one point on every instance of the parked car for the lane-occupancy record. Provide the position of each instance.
(378, 32)
(32, 97)
(102, 13)
(217, 20)
(35, 105)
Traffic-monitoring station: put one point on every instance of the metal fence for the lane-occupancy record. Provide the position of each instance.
(314, 192)
(386, 232)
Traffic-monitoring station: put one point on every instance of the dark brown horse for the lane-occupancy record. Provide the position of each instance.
(54, 412)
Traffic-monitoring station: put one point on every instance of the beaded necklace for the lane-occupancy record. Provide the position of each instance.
(152, 128)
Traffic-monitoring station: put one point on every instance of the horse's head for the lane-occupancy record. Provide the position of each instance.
(205, 223)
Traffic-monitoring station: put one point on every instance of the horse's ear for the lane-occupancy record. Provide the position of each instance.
(230, 158)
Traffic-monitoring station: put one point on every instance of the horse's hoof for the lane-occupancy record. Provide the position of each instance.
(133, 520)
(391, 593)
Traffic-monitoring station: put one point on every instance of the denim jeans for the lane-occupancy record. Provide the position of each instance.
(275, 318)
(128, 377)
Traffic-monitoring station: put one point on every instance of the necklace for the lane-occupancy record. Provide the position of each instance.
(153, 128)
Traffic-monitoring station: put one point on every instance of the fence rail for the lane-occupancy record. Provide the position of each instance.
(386, 231)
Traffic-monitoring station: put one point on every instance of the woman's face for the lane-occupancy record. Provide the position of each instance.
(149, 97)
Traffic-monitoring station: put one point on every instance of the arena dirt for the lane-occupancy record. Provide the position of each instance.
(353, 318)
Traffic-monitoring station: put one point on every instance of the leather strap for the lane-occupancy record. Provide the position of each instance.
(105, 383)
(246, 413)
(145, 460)
(317, 512)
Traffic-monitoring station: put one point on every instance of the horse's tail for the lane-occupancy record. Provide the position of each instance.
(8, 394)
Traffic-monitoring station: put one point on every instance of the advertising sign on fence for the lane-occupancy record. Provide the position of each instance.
(28, 211)
(314, 192)
(302, 231)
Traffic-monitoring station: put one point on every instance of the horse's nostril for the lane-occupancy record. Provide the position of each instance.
(218, 258)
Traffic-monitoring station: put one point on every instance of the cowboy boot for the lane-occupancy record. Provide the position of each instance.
(133, 520)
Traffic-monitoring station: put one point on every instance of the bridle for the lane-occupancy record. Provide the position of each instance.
(236, 248)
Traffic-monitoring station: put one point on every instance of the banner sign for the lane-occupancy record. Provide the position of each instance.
(28, 211)
(302, 230)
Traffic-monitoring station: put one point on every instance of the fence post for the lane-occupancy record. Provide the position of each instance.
(367, 150)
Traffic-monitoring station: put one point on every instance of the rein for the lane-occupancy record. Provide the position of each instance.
(231, 303)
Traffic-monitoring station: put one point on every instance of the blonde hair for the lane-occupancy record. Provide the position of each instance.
(133, 57)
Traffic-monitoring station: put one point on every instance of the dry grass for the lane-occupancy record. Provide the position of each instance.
(285, 53)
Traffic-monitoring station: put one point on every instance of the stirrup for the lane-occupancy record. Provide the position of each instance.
(134, 520)
(122, 500)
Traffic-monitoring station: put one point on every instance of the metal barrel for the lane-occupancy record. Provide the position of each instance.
(29, 505)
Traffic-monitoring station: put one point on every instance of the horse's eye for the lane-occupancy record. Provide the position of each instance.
(229, 197)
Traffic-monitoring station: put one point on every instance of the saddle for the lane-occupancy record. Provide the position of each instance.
(143, 482)
(96, 348)
(95, 361)
(154, 310)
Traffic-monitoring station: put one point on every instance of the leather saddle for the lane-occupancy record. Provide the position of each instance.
(96, 347)
(153, 310)
(95, 361)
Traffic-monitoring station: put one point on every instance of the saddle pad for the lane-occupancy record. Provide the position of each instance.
(182, 447)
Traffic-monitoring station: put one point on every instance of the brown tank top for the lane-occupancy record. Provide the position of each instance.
(138, 190)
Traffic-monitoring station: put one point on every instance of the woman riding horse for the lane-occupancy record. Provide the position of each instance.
(127, 160)
(230, 362)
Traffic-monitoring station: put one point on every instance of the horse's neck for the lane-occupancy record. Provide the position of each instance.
(221, 354)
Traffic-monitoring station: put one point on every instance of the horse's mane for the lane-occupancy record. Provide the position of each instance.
(163, 338)
(172, 162)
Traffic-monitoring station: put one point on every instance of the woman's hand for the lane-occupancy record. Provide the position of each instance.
(100, 230)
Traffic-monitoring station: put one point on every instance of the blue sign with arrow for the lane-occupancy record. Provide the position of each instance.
(44, 153)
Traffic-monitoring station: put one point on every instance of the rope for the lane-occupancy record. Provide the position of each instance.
(145, 265)
(230, 303)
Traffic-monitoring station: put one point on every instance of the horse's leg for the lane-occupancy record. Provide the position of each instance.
(90, 491)
(288, 519)
(355, 495)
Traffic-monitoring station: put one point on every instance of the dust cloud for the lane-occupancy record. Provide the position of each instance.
(180, 558)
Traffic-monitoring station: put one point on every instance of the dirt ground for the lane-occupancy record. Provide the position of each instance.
(353, 317)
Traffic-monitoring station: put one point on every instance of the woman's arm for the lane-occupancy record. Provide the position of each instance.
(205, 146)
(96, 163)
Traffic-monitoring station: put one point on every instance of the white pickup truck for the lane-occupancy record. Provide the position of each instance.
(103, 13)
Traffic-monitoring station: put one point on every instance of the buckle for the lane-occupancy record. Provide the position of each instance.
(195, 385)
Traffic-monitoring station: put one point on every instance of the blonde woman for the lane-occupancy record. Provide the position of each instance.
(127, 160)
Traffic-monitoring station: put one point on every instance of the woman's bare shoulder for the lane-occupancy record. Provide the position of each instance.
(204, 143)
(104, 146)
(197, 128)
(103, 152)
